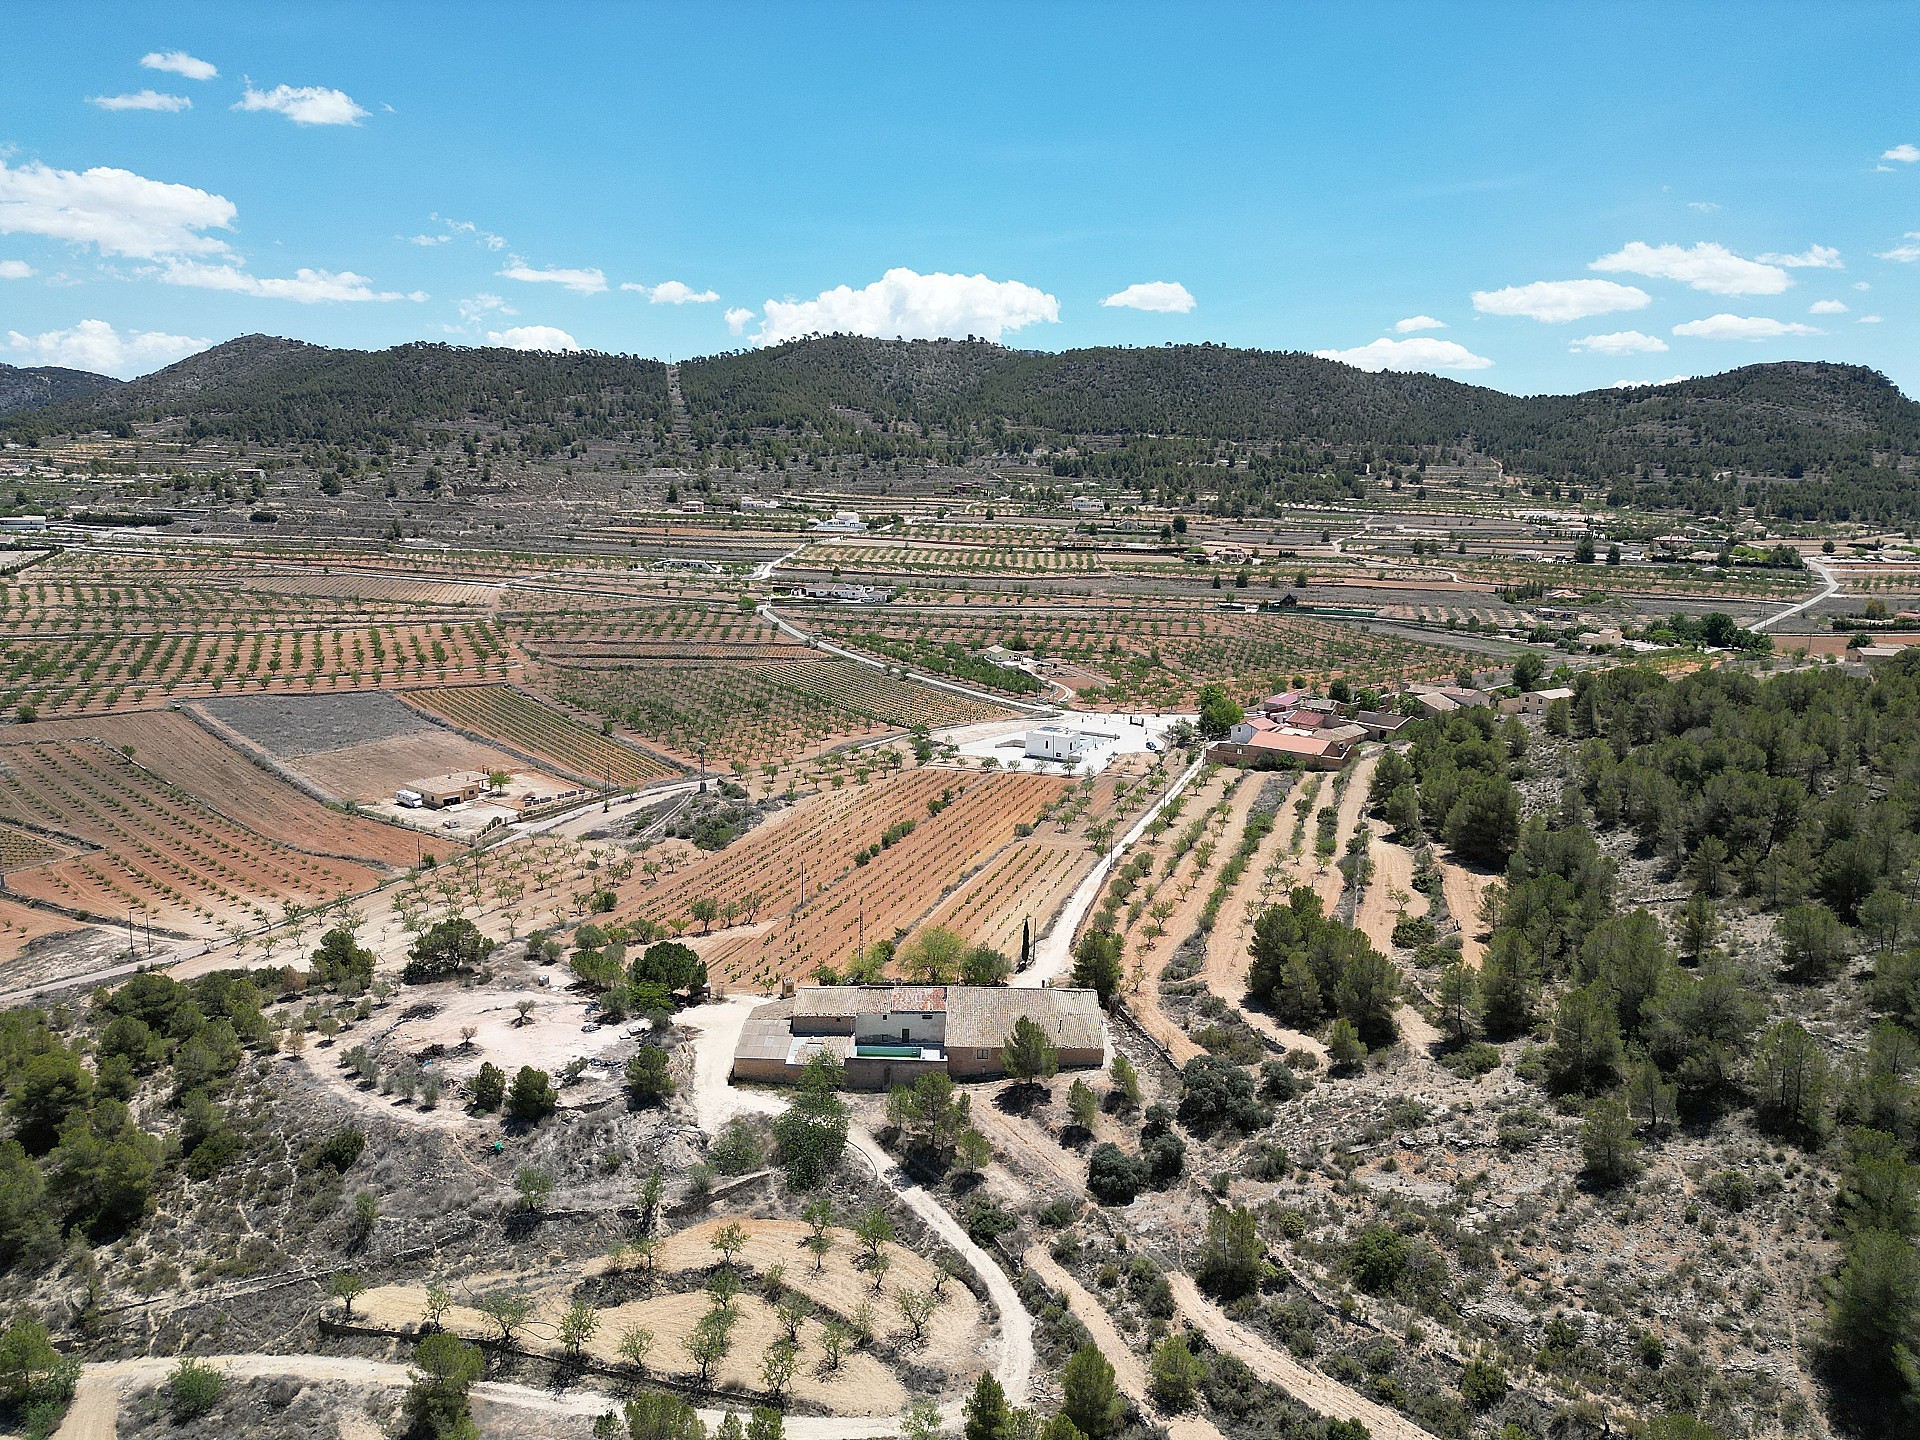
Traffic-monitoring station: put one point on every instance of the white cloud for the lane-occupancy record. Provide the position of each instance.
(737, 321)
(533, 337)
(308, 287)
(906, 303)
(475, 307)
(1827, 307)
(1814, 257)
(673, 292)
(581, 282)
(1706, 266)
(1705, 207)
(1647, 384)
(179, 62)
(1421, 354)
(1903, 154)
(1555, 301)
(427, 239)
(15, 270)
(1620, 342)
(461, 227)
(1869, 320)
(117, 211)
(1417, 322)
(1163, 297)
(141, 100)
(1742, 327)
(96, 345)
(1905, 253)
(304, 104)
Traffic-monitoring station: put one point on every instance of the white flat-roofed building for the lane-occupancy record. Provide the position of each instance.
(1057, 742)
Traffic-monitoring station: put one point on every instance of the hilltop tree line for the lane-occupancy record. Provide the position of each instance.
(1830, 439)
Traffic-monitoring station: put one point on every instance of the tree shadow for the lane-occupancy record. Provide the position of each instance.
(1022, 1099)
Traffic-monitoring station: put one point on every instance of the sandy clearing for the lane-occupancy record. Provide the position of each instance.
(1416, 1032)
(1128, 1371)
(97, 1400)
(1379, 911)
(1311, 1388)
(717, 1027)
(374, 769)
(1466, 890)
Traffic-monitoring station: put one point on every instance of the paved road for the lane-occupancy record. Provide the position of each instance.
(1830, 586)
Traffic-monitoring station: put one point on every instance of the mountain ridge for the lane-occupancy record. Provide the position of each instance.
(1789, 418)
(34, 387)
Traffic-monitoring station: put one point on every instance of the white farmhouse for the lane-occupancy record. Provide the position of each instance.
(1057, 742)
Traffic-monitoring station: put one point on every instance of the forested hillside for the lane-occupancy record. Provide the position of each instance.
(1828, 441)
(30, 389)
(280, 392)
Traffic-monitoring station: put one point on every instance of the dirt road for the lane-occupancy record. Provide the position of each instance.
(1312, 1389)
(95, 1410)
(1054, 953)
(1128, 1371)
(1379, 911)
(1465, 891)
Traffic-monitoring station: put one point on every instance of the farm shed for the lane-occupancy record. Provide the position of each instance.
(1381, 725)
(888, 1034)
(437, 792)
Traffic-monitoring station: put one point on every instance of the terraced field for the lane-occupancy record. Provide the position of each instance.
(765, 711)
(1157, 655)
(180, 753)
(812, 845)
(159, 850)
(499, 712)
(898, 887)
(1029, 880)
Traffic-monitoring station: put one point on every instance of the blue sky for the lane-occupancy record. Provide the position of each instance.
(1574, 195)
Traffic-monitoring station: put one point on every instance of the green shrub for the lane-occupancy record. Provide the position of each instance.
(193, 1388)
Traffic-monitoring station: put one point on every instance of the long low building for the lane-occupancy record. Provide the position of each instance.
(887, 1035)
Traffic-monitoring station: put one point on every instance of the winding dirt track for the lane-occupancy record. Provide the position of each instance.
(1309, 1387)
(1379, 912)
(1128, 1372)
(1465, 890)
(1353, 800)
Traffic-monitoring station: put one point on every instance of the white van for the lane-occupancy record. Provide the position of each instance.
(410, 799)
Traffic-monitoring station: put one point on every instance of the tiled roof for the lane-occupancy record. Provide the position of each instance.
(824, 1001)
(982, 1016)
